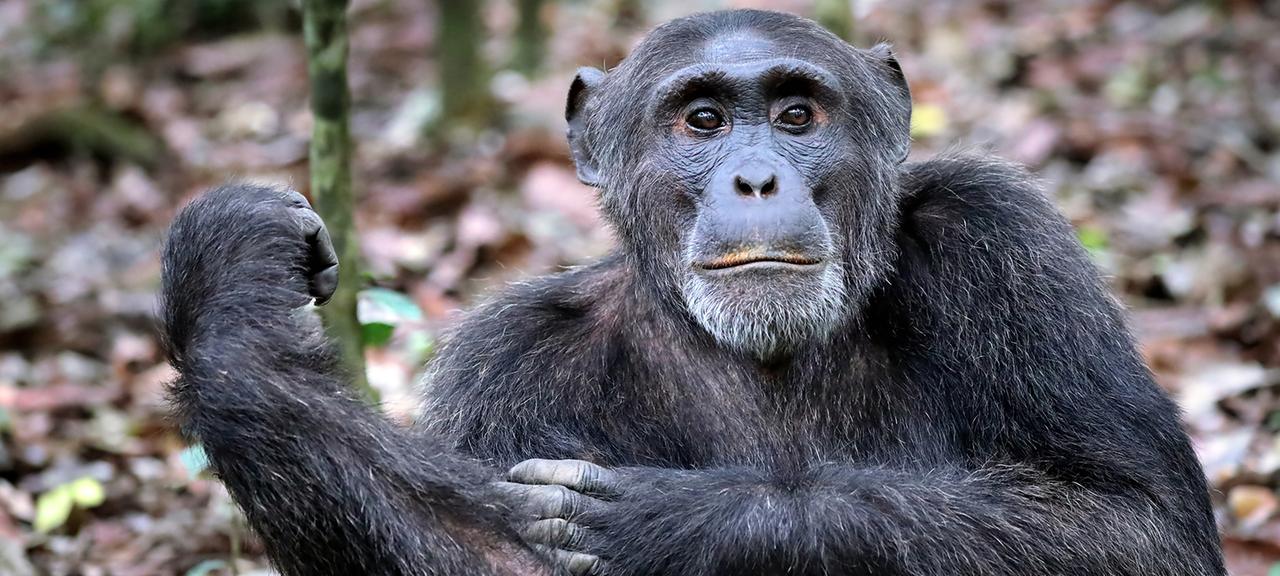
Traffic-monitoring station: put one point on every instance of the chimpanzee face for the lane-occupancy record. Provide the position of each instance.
(748, 183)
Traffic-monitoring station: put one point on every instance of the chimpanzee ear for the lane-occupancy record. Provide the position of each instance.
(585, 83)
(899, 101)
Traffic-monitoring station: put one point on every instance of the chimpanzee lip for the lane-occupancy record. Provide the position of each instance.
(744, 258)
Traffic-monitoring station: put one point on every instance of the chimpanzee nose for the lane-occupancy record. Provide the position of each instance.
(756, 181)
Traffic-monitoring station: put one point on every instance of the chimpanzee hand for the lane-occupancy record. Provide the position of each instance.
(322, 264)
(558, 495)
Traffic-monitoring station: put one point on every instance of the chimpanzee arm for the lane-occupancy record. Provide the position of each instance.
(993, 520)
(329, 484)
(1071, 461)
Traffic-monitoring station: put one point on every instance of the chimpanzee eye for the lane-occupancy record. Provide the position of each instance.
(796, 115)
(704, 119)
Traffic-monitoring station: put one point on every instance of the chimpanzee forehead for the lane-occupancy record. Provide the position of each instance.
(745, 54)
(730, 46)
(738, 46)
(747, 75)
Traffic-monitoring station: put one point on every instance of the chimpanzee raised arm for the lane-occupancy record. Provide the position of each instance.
(329, 484)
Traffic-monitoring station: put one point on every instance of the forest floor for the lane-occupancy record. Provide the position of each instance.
(1155, 126)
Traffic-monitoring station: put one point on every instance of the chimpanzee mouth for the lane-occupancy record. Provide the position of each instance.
(745, 258)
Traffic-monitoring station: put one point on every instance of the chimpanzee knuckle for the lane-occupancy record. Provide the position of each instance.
(579, 475)
(517, 473)
(593, 480)
(536, 533)
(509, 490)
(577, 563)
(520, 497)
(562, 501)
(565, 503)
(309, 221)
(540, 501)
(532, 471)
(324, 284)
(569, 535)
(544, 502)
(296, 199)
(575, 537)
(323, 253)
(569, 473)
(608, 483)
(586, 475)
(558, 530)
(554, 532)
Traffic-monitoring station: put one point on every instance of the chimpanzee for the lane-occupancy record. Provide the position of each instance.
(805, 356)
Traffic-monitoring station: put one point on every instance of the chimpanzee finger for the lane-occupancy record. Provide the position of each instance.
(558, 533)
(322, 265)
(324, 284)
(579, 475)
(577, 563)
(546, 501)
(295, 199)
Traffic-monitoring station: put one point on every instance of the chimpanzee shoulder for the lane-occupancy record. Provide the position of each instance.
(982, 233)
(972, 196)
(983, 251)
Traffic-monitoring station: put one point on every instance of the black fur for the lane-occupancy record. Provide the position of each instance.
(982, 409)
(330, 485)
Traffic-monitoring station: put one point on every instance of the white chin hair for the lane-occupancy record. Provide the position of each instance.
(770, 314)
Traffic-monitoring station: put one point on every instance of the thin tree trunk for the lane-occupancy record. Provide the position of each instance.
(325, 30)
(531, 38)
(464, 78)
(836, 16)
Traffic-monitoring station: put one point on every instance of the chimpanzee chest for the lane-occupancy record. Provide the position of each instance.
(748, 416)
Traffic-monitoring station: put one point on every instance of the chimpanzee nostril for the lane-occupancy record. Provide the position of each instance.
(759, 185)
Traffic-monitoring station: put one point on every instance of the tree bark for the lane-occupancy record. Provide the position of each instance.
(531, 38)
(464, 77)
(325, 30)
(836, 16)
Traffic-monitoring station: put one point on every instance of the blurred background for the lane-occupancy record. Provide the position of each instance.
(1155, 125)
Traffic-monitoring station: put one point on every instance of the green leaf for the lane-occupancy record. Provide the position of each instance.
(195, 460)
(1093, 239)
(206, 567)
(420, 346)
(87, 492)
(52, 509)
(381, 311)
(388, 306)
(376, 333)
